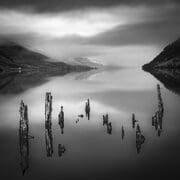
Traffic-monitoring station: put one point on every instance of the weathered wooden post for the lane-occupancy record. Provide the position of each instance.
(160, 111)
(105, 119)
(87, 109)
(24, 137)
(48, 124)
(123, 132)
(134, 121)
(48, 108)
(61, 119)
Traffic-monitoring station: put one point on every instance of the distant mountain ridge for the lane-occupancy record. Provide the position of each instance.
(168, 58)
(21, 68)
(84, 61)
(14, 56)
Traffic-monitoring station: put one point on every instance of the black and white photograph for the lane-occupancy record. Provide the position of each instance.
(89, 89)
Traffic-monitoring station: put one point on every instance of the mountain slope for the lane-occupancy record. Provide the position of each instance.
(21, 69)
(168, 58)
(14, 56)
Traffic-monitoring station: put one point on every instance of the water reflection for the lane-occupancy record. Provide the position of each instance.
(49, 140)
(109, 128)
(61, 149)
(169, 77)
(16, 83)
(140, 139)
(157, 119)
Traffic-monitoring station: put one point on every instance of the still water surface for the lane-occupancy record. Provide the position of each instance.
(91, 153)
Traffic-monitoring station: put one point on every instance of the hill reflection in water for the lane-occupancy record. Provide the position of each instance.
(169, 77)
(16, 83)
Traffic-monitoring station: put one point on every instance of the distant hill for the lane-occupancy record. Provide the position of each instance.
(14, 56)
(21, 69)
(168, 58)
(84, 62)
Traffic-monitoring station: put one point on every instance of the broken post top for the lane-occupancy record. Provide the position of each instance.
(88, 103)
(133, 116)
(48, 96)
(138, 128)
(22, 103)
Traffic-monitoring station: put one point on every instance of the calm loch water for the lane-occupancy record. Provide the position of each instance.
(90, 152)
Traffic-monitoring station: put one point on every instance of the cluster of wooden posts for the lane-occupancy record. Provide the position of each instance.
(157, 119)
(48, 126)
(24, 127)
(140, 139)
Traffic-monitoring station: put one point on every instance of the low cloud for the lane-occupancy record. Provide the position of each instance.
(94, 31)
(80, 23)
(56, 25)
(69, 5)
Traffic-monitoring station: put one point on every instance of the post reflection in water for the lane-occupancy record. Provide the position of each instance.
(61, 149)
(140, 139)
(48, 124)
(109, 128)
(105, 120)
(157, 119)
(24, 137)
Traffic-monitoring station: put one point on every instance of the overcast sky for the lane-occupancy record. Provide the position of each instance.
(91, 28)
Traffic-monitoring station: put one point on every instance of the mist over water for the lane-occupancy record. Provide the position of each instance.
(123, 55)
